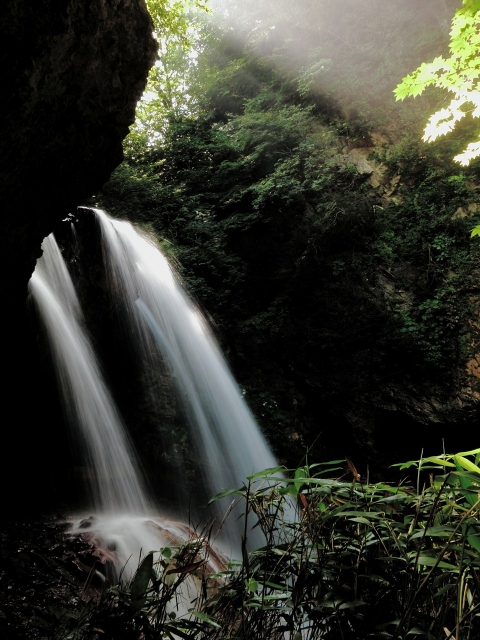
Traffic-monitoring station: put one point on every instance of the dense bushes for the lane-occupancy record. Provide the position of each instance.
(343, 558)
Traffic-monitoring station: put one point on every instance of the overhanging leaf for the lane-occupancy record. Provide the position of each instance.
(466, 464)
(142, 578)
(267, 472)
(440, 461)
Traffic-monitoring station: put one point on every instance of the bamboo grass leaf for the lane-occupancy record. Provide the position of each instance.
(466, 464)
(441, 531)
(267, 472)
(439, 461)
(205, 618)
(443, 590)
(473, 452)
(229, 492)
(352, 605)
(141, 581)
(361, 520)
(474, 541)
(428, 561)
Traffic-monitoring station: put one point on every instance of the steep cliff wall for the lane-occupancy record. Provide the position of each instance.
(72, 72)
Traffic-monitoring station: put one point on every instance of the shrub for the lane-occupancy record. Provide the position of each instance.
(342, 559)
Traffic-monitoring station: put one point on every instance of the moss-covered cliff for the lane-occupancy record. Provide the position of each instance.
(342, 282)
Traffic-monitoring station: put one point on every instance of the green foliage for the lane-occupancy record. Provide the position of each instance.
(285, 247)
(167, 87)
(316, 283)
(458, 74)
(147, 607)
(426, 227)
(170, 16)
(363, 560)
(431, 323)
(342, 558)
(249, 207)
(218, 61)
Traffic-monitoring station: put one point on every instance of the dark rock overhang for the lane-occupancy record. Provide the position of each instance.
(72, 73)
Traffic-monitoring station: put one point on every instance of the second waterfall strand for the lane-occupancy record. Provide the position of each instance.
(159, 314)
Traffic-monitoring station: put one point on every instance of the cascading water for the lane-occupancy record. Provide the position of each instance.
(160, 316)
(160, 320)
(115, 482)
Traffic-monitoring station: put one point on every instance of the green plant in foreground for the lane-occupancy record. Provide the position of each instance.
(166, 583)
(361, 560)
(342, 559)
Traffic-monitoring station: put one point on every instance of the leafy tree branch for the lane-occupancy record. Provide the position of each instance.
(458, 74)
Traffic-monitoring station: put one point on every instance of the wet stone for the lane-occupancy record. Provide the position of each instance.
(86, 523)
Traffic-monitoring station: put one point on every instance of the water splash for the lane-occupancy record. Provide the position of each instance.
(122, 540)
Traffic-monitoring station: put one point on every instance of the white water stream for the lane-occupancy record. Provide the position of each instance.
(158, 312)
(115, 482)
(161, 318)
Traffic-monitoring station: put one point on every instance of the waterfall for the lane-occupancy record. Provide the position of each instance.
(115, 482)
(159, 314)
(161, 322)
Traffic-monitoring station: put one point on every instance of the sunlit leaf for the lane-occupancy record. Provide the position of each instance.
(466, 464)
(472, 452)
(458, 74)
(440, 461)
(406, 465)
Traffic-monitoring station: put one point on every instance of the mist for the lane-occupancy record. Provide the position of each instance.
(352, 52)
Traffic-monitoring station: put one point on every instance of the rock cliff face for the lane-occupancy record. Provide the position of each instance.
(394, 293)
(72, 72)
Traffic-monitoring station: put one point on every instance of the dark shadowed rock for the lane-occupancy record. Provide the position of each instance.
(72, 72)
